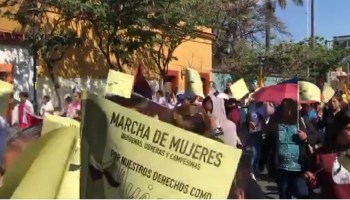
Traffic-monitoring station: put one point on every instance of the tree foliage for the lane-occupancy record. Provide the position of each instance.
(269, 7)
(239, 29)
(155, 28)
(45, 36)
(290, 58)
(120, 26)
(175, 22)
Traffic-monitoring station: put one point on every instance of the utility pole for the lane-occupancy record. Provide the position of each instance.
(312, 23)
(312, 36)
(347, 72)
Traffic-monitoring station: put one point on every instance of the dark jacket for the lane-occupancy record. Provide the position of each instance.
(313, 138)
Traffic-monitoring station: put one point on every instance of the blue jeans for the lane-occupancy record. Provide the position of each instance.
(255, 140)
(292, 184)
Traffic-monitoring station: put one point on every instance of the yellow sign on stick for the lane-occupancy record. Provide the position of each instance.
(141, 157)
(309, 92)
(119, 83)
(239, 89)
(5, 92)
(327, 93)
(195, 82)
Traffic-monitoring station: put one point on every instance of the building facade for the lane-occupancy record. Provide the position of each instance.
(343, 40)
(85, 65)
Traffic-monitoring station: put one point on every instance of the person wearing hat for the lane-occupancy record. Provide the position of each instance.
(325, 169)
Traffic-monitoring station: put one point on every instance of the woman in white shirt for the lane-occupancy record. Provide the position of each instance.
(46, 106)
(160, 99)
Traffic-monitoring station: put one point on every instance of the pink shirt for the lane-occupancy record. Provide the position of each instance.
(73, 108)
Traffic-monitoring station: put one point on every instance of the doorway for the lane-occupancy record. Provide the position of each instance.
(206, 83)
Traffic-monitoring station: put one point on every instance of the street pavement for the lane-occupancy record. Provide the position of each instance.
(269, 188)
(262, 188)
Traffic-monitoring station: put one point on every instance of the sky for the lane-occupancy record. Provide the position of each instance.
(332, 18)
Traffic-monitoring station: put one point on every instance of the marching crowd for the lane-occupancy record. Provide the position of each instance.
(299, 143)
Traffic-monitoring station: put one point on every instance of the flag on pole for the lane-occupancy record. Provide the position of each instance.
(141, 85)
(345, 91)
(261, 78)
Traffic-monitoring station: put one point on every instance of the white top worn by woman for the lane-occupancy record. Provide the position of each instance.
(48, 107)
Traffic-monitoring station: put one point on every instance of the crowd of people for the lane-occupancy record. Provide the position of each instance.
(24, 120)
(24, 116)
(298, 143)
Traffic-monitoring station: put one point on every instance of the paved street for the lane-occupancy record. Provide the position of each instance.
(268, 188)
(262, 188)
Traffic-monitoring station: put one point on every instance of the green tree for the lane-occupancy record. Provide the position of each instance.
(175, 22)
(45, 37)
(270, 9)
(290, 58)
(237, 46)
(120, 26)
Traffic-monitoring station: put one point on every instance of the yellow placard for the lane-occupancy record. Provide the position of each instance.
(309, 91)
(52, 122)
(239, 89)
(71, 179)
(40, 167)
(70, 185)
(141, 157)
(119, 83)
(195, 82)
(5, 92)
(327, 93)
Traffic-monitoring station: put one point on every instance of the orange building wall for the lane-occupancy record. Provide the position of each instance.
(196, 54)
(87, 61)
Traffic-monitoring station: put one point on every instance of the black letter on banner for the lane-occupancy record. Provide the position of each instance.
(114, 119)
